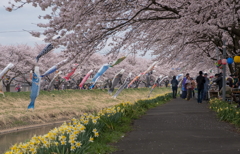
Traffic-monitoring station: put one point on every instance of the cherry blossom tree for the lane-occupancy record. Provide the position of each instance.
(23, 58)
(169, 28)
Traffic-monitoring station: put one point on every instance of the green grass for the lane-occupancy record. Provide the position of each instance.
(65, 104)
(104, 144)
(226, 112)
(19, 123)
(70, 92)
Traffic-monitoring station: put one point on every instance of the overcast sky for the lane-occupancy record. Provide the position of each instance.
(14, 23)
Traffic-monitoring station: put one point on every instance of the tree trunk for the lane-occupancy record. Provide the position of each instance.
(8, 88)
(147, 80)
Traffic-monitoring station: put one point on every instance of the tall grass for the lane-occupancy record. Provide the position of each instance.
(62, 105)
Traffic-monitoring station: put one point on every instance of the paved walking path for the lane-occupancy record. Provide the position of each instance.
(180, 127)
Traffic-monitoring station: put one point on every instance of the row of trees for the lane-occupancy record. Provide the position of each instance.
(23, 58)
(177, 32)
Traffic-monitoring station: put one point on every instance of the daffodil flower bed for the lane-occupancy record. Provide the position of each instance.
(76, 137)
(225, 111)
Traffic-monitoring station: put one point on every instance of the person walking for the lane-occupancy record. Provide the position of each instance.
(166, 83)
(200, 86)
(174, 83)
(184, 90)
(189, 88)
(62, 86)
(193, 83)
(206, 87)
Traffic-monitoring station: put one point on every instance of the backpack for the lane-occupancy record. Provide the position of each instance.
(174, 83)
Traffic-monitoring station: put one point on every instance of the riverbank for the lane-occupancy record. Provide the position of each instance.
(86, 133)
(58, 106)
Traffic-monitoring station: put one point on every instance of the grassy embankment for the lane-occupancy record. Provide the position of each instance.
(91, 133)
(226, 112)
(62, 105)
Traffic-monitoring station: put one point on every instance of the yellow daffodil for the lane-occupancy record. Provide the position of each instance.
(24, 146)
(73, 148)
(94, 121)
(69, 131)
(94, 130)
(76, 132)
(96, 134)
(62, 137)
(32, 149)
(72, 141)
(91, 139)
(63, 142)
(78, 144)
(56, 143)
(82, 129)
(85, 122)
(47, 145)
(44, 142)
(14, 147)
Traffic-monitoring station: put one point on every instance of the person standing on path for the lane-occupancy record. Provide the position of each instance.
(193, 83)
(189, 88)
(184, 90)
(200, 86)
(174, 83)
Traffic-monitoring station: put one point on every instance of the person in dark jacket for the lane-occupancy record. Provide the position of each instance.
(174, 83)
(200, 86)
(219, 81)
(166, 83)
